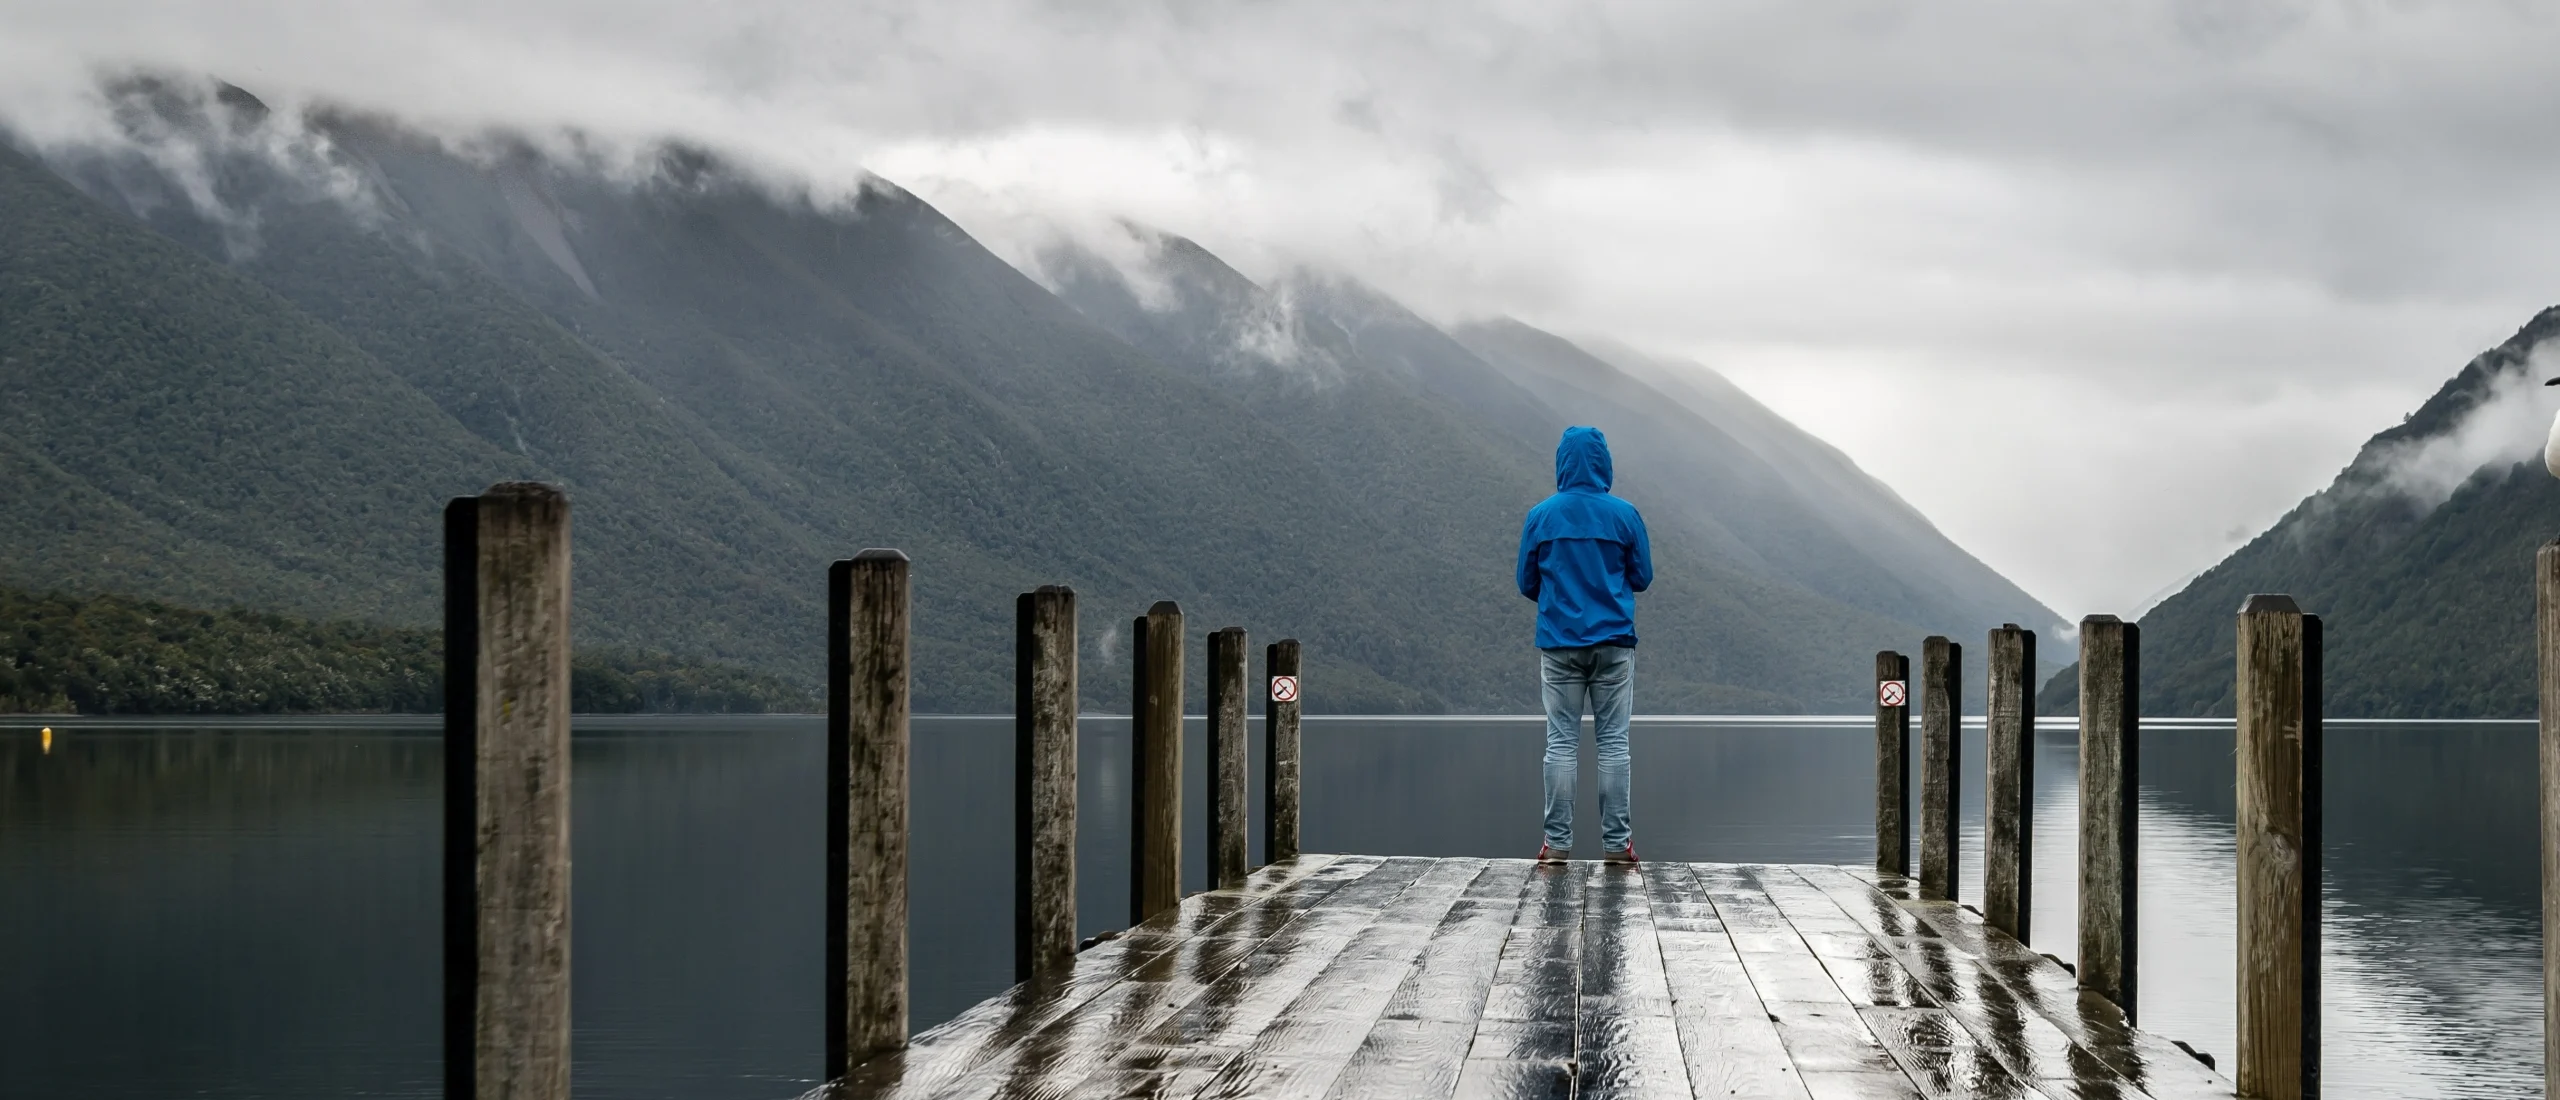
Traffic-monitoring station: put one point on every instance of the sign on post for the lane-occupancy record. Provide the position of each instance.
(1284, 689)
(1892, 693)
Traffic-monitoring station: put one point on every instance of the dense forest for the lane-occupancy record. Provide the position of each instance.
(112, 655)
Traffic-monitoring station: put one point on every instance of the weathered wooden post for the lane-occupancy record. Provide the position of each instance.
(867, 663)
(2546, 572)
(1941, 747)
(2279, 850)
(1044, 784)
(1155, 738)
(1893, 763)
(1280, 751)
(2009, 783)
(2110, 770)
(1228, 858)
(506, 808)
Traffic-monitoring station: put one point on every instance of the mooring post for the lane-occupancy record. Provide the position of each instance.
(1941, 747)
(1280, 767)
(2546, 572)
(2279, 850)
(1044, 784)
(1155, 738)
(867, 663)
(2009, 783)
(506, 824)
(2110, 770)
(1893, 763)
(1228, 858)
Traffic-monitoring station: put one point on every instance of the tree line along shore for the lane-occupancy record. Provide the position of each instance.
(99, 654)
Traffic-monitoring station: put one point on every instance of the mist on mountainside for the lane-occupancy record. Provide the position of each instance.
(2418, 558)
(253, 351)
(1760, 511)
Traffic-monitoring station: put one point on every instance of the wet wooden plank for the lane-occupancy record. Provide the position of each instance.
(1486, 1079)
(1860, 1086)
(1420, 1045)
(1136, 1015)
(1407, 1058)
(1315, 1039)
(1863, 965)
(1538, 975)
(1727, 1040)
(1191, 1049)
(1998, 988)
(1627, 1042)
(1942, 1058)
(1781, 966)
(1457, 967)
(1524, 1042)
(1829, 1037)
(993, 1030)
(1978, 994)
(1866, 905)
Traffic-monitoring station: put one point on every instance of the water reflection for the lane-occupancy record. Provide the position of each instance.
(253, 907)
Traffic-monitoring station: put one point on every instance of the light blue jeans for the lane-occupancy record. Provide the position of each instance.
(1602, 677)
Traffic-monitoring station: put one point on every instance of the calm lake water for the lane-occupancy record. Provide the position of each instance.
(250, 909)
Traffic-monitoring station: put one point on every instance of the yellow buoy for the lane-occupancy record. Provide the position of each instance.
(48, 738)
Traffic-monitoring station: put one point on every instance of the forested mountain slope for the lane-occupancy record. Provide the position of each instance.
(240, 375)
(2418, 560)
(1758, 585)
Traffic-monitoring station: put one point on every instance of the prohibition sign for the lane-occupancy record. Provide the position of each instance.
(1891, 693)
(1284, 689)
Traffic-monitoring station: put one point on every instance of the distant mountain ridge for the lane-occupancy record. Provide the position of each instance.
(2426, 605)
(251, 378)
(1763, 523)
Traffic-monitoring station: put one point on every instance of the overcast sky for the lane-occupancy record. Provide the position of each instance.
(2103, 288)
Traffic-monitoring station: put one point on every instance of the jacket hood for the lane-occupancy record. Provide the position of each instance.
(1582, 461)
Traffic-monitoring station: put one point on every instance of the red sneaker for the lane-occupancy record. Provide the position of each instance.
(1627, 857)
(1549, 855)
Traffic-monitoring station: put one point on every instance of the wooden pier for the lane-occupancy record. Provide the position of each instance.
(1361, 976)
(1365, 976)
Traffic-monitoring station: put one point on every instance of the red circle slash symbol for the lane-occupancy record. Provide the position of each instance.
(1890, 693)
(1284, 689)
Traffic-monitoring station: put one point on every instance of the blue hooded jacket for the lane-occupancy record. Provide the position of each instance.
(1583, 553)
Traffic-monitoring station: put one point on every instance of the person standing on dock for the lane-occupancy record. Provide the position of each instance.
(1583, 557)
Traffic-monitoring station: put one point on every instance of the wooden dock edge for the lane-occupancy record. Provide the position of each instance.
(2161, 1067)
(1992, 984)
